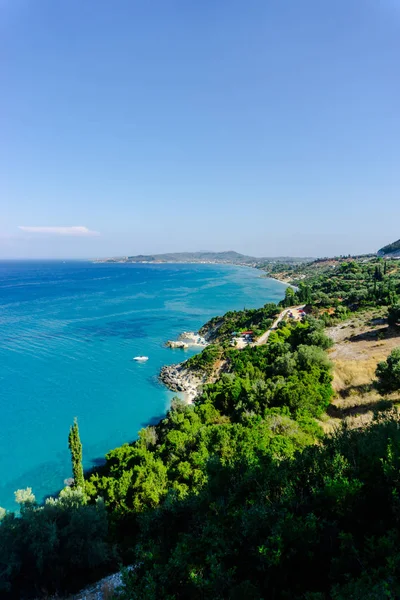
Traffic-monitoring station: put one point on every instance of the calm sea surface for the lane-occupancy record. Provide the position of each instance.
(68, 332)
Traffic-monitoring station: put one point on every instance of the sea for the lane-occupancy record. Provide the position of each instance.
(68, 333)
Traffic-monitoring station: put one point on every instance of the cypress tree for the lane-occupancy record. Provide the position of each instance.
(378, 273)
(75, 447)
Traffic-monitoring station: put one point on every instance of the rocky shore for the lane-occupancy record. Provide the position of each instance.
(177, 344)
(180, 379)
(188, 339)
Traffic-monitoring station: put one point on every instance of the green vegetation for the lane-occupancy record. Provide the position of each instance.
(388, 373)
(204, 362)
(239, 495)
(236, 321)
(75, 447)
(324, 524)
(58, 546)
(394, 315)
(346, 285)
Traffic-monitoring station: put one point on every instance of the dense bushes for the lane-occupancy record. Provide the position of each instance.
(322, 525)
(388, 373)
(394, 315)
(351, 283)
(204, 362)
(47, 549)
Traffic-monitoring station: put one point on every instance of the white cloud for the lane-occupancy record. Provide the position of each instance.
(77, 231)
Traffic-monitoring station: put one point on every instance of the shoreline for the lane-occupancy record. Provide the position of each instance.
(189, 384)
(188, 339)
(172, 262)
(178, 378)
(284, 282)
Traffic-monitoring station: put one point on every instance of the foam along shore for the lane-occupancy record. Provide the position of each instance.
(180, 379)
(188, 339)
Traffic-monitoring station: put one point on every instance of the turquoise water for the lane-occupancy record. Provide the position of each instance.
(68, 332)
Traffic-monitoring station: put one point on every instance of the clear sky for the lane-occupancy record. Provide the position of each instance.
(270, 127)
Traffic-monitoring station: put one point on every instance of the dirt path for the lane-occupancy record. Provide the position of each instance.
(264, 337)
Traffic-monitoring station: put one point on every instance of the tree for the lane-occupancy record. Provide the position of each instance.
(25, 497)
(378, 276)
(388, 373)
(75, 447)
(53, 548)
(289, 297)
(394, 314)
(304, 293)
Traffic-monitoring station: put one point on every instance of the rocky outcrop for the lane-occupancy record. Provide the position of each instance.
(102, 590)
(187, 339)
(178, 344)
(180, 379)
(192, 337)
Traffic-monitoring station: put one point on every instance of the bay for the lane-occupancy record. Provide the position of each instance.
(68, 332)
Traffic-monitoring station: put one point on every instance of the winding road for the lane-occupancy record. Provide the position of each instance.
(264, 337)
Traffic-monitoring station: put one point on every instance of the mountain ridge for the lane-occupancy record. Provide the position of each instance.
(225, 257)
(392, 249)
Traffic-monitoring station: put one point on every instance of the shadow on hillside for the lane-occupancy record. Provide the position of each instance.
(381, 333)
(337, 412)
(351, 390)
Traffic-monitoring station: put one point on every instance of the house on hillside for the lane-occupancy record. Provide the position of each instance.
(247, 335)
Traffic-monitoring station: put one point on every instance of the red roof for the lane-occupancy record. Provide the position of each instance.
(246, 332)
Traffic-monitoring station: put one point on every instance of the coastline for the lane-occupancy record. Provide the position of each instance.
(178, 378)
(284, 282)
(113, 343)
(173, 262)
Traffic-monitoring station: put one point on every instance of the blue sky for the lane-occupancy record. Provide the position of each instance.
(267, 127)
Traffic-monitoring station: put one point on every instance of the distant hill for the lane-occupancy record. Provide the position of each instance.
(228, 257)
(391, 249)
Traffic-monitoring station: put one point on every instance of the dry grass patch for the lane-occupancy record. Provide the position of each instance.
(349, 375)
(360, 344)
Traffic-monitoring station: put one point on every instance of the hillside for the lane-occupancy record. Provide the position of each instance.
(228, 257)
(241, 494)
(392, 249)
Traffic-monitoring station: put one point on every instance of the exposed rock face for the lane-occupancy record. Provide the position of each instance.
(187, 339)
(179, 379)
(102, 590)
(190, 336)
(178, 344)
(209, 331)
(170, 376)
(193, 338)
